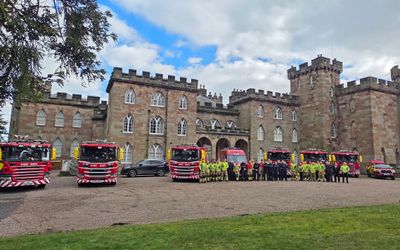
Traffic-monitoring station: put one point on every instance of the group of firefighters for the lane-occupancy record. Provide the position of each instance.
(272, 171)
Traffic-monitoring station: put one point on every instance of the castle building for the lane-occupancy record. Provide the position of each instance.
(147, 114)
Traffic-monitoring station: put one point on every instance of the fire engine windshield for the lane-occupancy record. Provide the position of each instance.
(275, 156)
(24, 154)
(236, 158)
(98, 154)
(346, 158)
(185, 155)
(315, 157)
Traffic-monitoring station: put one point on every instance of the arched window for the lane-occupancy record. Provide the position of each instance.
(333, 131)
(278, 114)
(41, 118)
(294, 135)
(157, 126)
(158, 99)
(156, 152)
(59, 119)
(128, 124)
(182, 128)
(278, 134)
(76, 120)
(127, 153)
(130, 96)
(230, 124)
(199, 123)
(332, 108)
(294, 115)
(214, 124)
(58, 146)
(354, 130)
(74, 144)
(260, 155)
(183, 103)
(331, 92)
(260, 133)
(260, 111)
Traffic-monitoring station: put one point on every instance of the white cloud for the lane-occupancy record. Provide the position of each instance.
(195, 60)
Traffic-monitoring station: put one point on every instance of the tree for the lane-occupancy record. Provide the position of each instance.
(69, 31)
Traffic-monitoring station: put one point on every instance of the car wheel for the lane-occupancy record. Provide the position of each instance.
(161, 172)
(41, 186)
(132, 173)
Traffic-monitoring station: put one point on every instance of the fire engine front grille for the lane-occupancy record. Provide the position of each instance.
(183, 170)
(97, 172)
(28, 173)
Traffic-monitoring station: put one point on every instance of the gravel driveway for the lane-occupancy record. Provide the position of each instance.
(62, 206)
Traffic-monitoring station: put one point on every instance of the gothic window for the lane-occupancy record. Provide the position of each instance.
(128, 124)
(230, 124)
(156, 152)
(41, 118)
(157, 126)
(260, 154)
(214, 124)
(59, 119)
(260, 133)
(332, 108)
(58, 146)
(294, 115)
(130, 96)
(127, 153)
(158, 99)
(74, 144)
(278, 113)
(199, 123)
(278, 134)
(183, 103)
(331, 93)
(294, 136)
(182, 128)
(333, 131)
(76, 120)
(260, 111)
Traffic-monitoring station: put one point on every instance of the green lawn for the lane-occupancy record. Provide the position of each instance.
(376, 227)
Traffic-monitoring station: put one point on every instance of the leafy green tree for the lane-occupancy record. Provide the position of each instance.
(69, 31)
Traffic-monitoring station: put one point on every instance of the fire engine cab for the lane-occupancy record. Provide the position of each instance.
(184, 161)
(353, 160)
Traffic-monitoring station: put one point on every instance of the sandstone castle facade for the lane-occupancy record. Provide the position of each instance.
(146, 114)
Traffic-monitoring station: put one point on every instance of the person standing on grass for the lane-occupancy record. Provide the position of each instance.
(345, 171)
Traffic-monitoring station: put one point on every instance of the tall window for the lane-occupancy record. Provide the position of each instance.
(331, 93)
(130, 96)
(333, 131)
(278, 114)
(127, 153)
(294, 115)
(41, 118)
(183, 103)
(199, 123)
(157, 126)
(59, 119)
(260, 111)
(332, 108)
(128, 124)
(230, 124)
(260, 133)
(158, 99)
(58, 146)
(260, 154)
(76, 120)
(74, 144)
(182, 128)
(294, 135)
(214, 124)
(155, 152)
(278, 134)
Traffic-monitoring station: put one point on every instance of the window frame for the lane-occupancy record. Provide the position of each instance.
(182, 128)
(260, 133)
(158, 100)
(158, 126)
(128, 129)
(41, 118)
(74, 119)
(278, 113)
(130, 96)
(276, 134)
(60, 120)
(183, 102)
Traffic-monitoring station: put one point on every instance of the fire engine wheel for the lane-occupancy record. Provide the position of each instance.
(160, 173)
(175, 179)
(356, 175)
(132, 173)
(41, 186)
(81, 184)
(392, 177)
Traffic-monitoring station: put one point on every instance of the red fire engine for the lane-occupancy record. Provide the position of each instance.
(98, 162)
(276, 154)
(353, 159)
(25, 163)
(184, 161)
(314, 155)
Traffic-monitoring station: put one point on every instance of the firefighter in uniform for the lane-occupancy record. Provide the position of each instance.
(203, 167)
(313, 169)
(301, 171)
(284, 170)
(336, 173)
(345, 171)
(268, 170)
(275, 171)
(243, 171)
(317, 170)
(225, 166)
(231, 174)
(321, 168)
(256, 171)
(294, 170)
(218, 172)
(211, 167)
(236, 170)
(250, 170)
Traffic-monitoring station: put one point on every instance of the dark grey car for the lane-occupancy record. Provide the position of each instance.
(145, 167)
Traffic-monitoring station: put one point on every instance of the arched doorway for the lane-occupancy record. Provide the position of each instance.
(221, 144)
(206, 143)
(242, 144)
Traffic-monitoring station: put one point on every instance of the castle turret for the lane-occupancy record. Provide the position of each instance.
(395, 73)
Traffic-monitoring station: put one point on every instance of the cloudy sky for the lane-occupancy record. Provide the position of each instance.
(228, 44)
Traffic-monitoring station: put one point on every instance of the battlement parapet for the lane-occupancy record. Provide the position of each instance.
(74, 99)
(316, 64)
(146, 79)
(208, 107)
(369, 83)
(240, 96)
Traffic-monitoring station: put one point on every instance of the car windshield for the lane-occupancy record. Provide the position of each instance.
(236, 158)
(185, 155)
(23, 154)
(315, 157)
(275, 156)
(383, 166)
(97, 154)
(346, 158)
